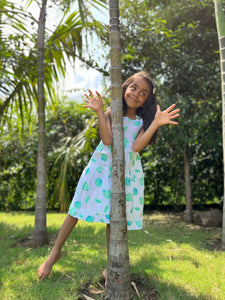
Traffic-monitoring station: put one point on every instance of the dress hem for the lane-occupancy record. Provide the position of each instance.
(104, 222)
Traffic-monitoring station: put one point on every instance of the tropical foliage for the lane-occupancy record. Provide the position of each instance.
(18, 158)
(172, 46)
(19, 54)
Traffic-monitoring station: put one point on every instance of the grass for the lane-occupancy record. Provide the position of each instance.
(169, 259)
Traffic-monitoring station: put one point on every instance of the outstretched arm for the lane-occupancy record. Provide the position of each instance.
(161, 118)
(95, 103)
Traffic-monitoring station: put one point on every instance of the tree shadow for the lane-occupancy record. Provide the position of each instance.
(173, 228)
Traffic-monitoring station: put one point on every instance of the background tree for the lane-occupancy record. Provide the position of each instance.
(118, 269)
(220, 21)
(40, 236)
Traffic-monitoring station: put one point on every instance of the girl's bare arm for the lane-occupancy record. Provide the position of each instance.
(105, 128)
(161, 118)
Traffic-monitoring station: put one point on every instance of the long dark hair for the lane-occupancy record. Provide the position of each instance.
(148, 110)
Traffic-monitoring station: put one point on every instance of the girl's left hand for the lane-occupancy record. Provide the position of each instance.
(166, 116)
(93, 101)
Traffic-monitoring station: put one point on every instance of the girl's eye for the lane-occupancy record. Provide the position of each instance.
(132, 87)
(143, 93)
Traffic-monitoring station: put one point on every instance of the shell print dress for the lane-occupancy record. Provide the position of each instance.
(92, 198)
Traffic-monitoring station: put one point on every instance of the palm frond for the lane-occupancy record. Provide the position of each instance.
(67, 160)
(18, 58)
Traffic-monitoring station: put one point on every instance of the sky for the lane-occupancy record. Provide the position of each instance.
(78, 77)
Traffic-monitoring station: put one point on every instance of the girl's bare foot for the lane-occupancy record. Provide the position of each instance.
(45, 269)
(104, 274)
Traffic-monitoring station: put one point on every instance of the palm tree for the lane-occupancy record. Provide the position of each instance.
(40, 236)
(220, 22)
(66, 160)
(118, 279)
(40, 230)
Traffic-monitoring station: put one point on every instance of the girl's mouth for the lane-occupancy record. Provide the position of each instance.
(133, 99)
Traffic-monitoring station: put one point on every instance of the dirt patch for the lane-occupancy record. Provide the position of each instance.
(141, 289)
(213, 244)
(27, 242)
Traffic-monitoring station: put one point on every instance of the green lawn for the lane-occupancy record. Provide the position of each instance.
(169, 259)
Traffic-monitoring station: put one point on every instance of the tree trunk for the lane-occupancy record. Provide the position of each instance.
(40, 230)
(188, 185)
(220, 22)
(118, 279)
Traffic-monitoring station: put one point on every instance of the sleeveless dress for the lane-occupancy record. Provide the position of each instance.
(92, 198)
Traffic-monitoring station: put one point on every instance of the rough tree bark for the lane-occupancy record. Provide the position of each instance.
(118, 279)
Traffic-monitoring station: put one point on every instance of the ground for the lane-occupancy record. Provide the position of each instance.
(141, 289)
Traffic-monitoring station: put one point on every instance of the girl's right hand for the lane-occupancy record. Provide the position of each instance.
(93, 101)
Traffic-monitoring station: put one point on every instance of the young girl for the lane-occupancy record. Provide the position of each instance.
(92, 199)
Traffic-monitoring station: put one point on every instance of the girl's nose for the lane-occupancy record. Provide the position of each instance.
(135, 93)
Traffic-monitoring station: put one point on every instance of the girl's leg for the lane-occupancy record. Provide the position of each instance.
(104, 273)
(45, 269)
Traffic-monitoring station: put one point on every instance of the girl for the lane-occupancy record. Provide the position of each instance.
(91, 202)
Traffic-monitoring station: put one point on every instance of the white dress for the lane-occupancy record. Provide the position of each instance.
(92, 199)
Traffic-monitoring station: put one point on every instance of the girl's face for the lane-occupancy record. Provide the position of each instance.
(137, 93)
